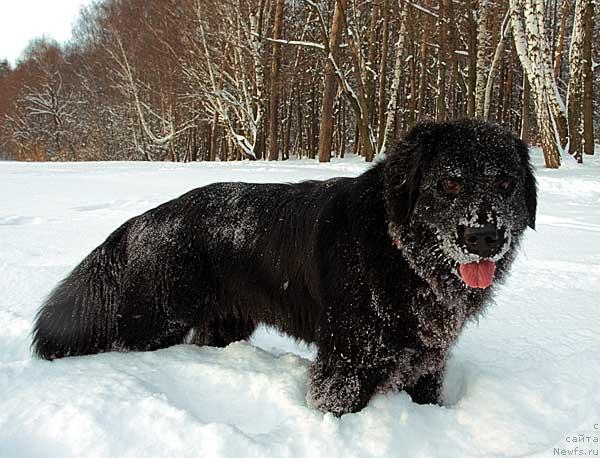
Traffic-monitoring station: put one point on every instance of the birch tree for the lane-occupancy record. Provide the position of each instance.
(393, 99)
(588, 84)
(381, 109)
(442, 59)
(576, 82)
(483, 44)
(549, 110)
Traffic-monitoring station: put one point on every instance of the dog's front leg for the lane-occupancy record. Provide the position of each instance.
(340, 389)
(341, 383)
(356, 349)
(428, 388)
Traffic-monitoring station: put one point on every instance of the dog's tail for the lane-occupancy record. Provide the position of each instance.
(80, 316)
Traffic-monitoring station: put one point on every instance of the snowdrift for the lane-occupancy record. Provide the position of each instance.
(521, 382)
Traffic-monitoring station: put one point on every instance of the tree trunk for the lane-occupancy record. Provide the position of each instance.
(212, 155)
(529, 46)
(412, 69)
(442, 60)
(313, 126)
(387, 134)
(575, 83)
(506, 116)
(275, 85)
(456, 81)
(330, 84)
(423, 65)
(370, 76)
(358, 98)
(560, 46)
(300, 128)
(483, 44)
(588, 83)
(472, 66)
(498, 57)
(557, 106)
(287, 129)
(382, 74)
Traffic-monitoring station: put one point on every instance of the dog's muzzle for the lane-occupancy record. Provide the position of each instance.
(483, 240)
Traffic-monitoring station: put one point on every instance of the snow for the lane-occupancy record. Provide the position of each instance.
(521, 382)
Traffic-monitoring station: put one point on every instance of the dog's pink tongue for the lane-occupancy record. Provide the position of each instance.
(478, 274)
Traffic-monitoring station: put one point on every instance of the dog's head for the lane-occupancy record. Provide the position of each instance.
(468, 186)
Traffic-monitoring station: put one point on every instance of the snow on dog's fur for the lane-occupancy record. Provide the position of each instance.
(380, 271)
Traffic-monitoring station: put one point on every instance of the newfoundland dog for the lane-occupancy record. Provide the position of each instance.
(381, 271)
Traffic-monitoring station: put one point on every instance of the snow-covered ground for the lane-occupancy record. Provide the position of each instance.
(524, 381)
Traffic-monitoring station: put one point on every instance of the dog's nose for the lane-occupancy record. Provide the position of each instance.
(483, 240)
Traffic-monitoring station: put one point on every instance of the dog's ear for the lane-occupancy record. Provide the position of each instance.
(403, 169)
(529, 182)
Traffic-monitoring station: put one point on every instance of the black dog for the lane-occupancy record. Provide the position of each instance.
(381, 271)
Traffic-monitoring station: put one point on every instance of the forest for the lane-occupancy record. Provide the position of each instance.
(202, 80)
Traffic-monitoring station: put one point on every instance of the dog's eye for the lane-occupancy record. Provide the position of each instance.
(451, 186)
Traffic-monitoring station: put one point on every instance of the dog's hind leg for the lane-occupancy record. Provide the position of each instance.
(163, 295)
(147, 324)
(144, 288)
(220, 332)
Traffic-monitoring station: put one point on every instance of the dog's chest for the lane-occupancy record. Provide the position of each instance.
(438, 322)
(438, 326)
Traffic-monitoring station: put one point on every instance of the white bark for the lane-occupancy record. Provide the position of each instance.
(483, 43)
(526, 33)
(392, 104)
(576, 50)
(574, 95)
(534, 11)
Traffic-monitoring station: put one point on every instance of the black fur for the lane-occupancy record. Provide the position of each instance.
(365, 268)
